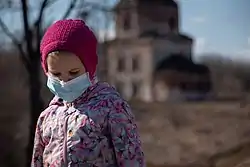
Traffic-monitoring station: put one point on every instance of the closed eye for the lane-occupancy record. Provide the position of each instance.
(56, 74)
(73, 72)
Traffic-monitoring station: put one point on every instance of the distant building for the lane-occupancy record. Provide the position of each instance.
(147, 32)
(178, 78)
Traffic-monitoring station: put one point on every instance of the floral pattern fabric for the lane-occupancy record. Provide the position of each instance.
(97, 130)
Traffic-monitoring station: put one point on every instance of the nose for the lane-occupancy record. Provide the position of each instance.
(65, 78)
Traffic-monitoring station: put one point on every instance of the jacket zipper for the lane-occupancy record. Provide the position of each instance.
(65, 151)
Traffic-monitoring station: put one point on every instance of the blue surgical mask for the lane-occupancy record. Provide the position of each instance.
(71, 90)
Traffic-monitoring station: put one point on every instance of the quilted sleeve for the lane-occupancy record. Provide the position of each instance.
(125, 137)
(37, 157)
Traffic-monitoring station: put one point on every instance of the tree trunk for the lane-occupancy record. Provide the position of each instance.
(36, 105)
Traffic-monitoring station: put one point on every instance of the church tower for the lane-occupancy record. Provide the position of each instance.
(137, 17)
(147, 31)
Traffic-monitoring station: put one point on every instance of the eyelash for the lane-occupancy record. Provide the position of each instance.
(73, 73)
(56, 74)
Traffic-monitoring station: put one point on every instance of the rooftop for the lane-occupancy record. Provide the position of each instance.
(128, 3)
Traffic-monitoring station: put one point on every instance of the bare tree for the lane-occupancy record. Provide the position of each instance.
(29, 42)
(28, 48)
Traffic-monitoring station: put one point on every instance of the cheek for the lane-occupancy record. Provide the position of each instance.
(81, 72)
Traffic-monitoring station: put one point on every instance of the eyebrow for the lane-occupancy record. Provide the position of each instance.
(53, 71)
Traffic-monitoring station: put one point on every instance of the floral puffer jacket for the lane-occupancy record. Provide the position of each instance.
(96, 130)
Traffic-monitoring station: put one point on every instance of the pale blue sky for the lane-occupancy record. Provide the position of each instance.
(221, 26)
(218, 25)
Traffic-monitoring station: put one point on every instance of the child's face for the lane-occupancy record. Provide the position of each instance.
(65, 66)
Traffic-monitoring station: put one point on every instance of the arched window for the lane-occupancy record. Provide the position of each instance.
(127, 21)
(172, 23)
(135, 63)
(121, 64)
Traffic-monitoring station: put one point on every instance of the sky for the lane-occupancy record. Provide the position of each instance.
(218, 26)
(221, 26)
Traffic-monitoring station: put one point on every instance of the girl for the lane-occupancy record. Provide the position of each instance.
(87, 123)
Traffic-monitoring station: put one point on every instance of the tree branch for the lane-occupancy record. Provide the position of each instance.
(17, 43)
(44, 5)
(97, 6)
(8, 33)
(38, 23)
(26, 28)
(69, 9)
(40, 14)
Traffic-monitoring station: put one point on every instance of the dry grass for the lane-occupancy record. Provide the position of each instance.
(214, 134)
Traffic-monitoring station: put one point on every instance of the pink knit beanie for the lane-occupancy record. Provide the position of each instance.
(72, 36)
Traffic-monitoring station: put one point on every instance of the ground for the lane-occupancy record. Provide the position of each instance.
(204, 134)
(210, 134)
